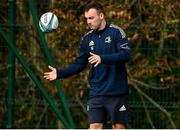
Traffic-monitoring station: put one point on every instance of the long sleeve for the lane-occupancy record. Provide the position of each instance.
(123, 53)
(76, 67)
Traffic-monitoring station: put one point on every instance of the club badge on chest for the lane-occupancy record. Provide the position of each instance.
(108, 39)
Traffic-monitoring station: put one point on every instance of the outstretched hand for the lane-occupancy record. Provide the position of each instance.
(52, 75)
(94, 59)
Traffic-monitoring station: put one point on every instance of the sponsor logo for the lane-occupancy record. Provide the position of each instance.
(123, 108)
(91, 45)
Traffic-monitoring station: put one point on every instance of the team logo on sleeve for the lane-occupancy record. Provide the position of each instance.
(108, 39)
(91, 45)
(125, 46)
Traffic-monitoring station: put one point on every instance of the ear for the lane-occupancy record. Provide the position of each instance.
(101, 15)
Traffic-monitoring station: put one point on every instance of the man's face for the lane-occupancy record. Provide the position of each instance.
(93, 18)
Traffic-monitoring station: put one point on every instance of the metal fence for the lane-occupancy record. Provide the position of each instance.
(153, 72)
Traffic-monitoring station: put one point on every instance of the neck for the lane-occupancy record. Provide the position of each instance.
(102, 26)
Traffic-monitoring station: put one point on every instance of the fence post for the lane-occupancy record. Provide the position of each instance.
(50, 62)
(36, 81)
(11, 64)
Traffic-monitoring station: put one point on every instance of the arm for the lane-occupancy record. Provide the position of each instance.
(74, 68)
(77, 66)
(123, 51)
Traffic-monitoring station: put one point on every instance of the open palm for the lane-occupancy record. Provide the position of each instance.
(52, 75)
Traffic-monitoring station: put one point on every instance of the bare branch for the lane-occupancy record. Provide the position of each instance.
(147, 112)
(42, 115)
(148, 86)
(154, 103)
(80, 103)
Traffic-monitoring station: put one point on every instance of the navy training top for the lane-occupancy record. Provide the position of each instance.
(110, 76)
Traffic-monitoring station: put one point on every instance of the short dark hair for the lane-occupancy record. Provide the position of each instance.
(96, 6)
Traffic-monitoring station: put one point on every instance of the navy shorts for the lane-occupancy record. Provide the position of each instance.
(102, 108)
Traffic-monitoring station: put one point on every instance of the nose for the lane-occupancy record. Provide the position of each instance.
(88, 21)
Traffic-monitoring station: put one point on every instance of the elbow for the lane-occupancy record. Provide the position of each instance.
(127, 57)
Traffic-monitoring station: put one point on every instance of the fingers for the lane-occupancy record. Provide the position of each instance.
(50, 67)
(46, 77)
(47, 73)
(94, 59)
(92, 53)
(97, 63)
(50, 75)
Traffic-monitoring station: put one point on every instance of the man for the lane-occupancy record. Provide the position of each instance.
(107, 50)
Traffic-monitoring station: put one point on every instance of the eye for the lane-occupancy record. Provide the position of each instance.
(91, 17)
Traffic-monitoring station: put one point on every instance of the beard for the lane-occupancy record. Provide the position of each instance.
(93, 27)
